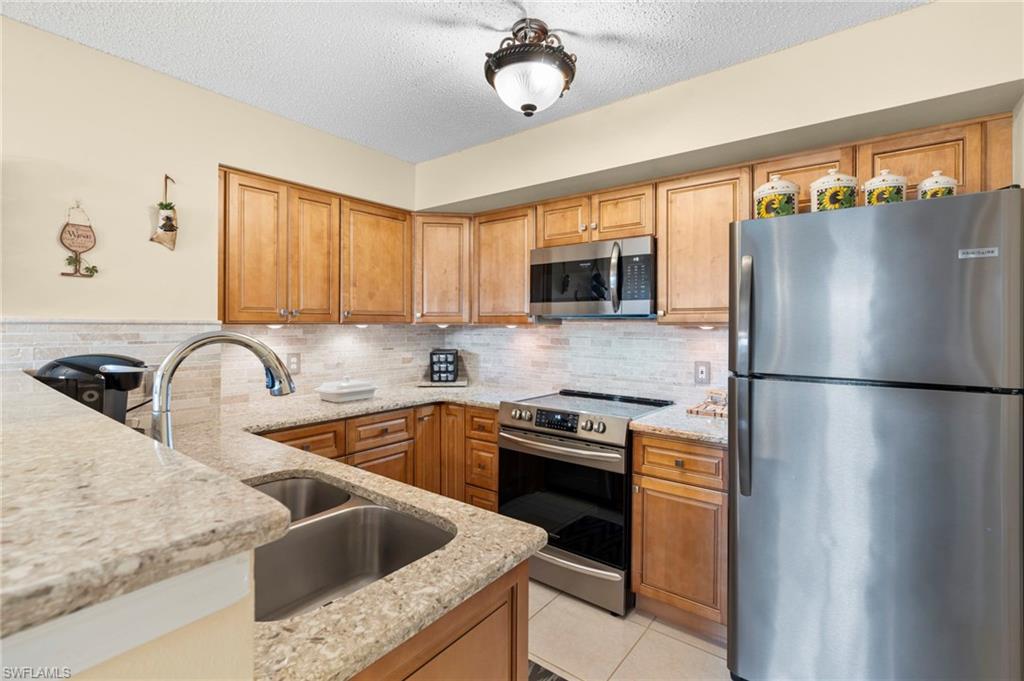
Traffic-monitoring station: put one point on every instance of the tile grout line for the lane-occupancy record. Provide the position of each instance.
(539, 660)
(642, 634)
(543, 606)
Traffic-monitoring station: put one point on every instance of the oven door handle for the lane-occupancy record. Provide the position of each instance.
(576, 567)
(556, 449)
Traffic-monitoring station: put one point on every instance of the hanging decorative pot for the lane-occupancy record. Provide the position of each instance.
(936, 186)
(885, 188)
(78, 237)
(166, 233)
(775, 198)
(833, 191)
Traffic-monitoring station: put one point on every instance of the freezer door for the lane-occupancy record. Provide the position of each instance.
(879, 534)
(924, 292)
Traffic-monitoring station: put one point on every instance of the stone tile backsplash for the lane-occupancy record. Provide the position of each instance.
(626, 357)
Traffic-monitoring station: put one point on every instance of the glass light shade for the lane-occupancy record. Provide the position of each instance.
(530, 84)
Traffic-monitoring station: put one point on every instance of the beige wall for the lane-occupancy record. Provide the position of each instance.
(875, 66)
(218, 646)
(80, 124)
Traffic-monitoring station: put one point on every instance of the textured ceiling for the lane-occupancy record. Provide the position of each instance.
(407, 78)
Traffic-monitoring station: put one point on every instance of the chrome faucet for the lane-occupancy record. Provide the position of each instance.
(279, 381)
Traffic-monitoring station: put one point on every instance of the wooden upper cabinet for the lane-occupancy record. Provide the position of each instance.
(255, 250)
(314, 254)
(563, 222)
(441, 267)
(377, 267)
(955, 150)
(694, 213)
(501, 266)
(622, 213)
(998, 153)
(803, 169)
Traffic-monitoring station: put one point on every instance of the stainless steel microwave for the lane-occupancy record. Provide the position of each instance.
(612, 278)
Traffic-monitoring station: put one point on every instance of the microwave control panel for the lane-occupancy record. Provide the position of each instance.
(557, 420)
(637, 277)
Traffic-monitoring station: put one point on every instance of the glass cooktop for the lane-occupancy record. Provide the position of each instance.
(598, 403)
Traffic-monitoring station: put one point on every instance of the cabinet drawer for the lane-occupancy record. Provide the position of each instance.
(377, 430)
(681, 461)
(482, 498)
(482, 464)
(391, 461)
(325, 439)
(482, 424)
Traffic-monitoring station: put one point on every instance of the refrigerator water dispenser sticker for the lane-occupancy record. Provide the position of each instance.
(965, 253)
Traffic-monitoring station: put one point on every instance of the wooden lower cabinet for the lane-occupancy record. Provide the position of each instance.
(482, 498)
(482, 464)
(680, 543)
(484, 638)
(325, 439)
(453, 451)
(377, 430)
(428, 448)
(392, 461)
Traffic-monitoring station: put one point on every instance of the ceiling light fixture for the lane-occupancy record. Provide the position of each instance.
(531, 68)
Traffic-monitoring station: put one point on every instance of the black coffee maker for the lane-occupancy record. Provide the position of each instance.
(99, 381)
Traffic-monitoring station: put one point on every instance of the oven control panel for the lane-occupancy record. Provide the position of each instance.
(557, 420)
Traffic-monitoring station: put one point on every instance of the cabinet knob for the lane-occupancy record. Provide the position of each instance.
(636, 489)
(680, 463)
(419, 315)
(347, 313)
(282, 312)
(583, 227)
(294, 313)
(306, 448)
(661, 313)
(593, 226)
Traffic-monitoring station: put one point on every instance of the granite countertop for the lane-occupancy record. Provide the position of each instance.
(91, 509)
(675, 422)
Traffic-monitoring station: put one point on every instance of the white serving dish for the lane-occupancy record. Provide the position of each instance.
(346, 391)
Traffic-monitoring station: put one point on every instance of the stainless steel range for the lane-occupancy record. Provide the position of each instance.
(564, 465)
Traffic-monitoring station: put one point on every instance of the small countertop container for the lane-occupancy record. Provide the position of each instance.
(345, 390)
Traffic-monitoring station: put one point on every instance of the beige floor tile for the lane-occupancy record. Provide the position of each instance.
(540, 595)
(663, 627)
(658, 657)
(641, 618)
(585, 641)
(552, 667)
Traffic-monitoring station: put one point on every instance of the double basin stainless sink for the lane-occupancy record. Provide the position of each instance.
(337, 543)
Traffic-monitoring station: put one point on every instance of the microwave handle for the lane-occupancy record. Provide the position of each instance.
(613, 275)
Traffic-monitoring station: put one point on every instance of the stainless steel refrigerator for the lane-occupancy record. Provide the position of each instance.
(875, 442)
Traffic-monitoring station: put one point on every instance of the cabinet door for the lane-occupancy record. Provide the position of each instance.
(998, 153)
(501, 266)
(482, 498)
(376, 430)
(392, 461)
(622, 213)
(956, 151)
(453, 451)
(314, 254)
(441, 269)
(562, 222)
(482, 464)
(803, 169)
(428, 448)
(325, 439)
(256, 250)
(377, 269)
(482, 424)
(694, 214)
(679, 546)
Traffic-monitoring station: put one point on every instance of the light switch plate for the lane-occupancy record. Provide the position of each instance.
(294, 362)
(702, 373)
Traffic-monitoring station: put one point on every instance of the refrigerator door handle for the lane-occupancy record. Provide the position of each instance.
(743, 313)
(740, 435)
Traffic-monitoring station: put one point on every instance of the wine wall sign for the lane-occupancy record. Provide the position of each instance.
(77, 236)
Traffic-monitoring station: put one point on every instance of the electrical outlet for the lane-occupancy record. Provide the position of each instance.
(702, 373)
(294, 362)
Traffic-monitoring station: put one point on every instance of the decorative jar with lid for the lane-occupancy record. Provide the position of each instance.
(833, 191)
(936, 186)
(884, 188)
(775, 198)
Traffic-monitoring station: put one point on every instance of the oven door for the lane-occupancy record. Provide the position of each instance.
(576, 491)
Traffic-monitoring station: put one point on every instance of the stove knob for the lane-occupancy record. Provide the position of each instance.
(516, 414)
(527, 415)
(600, 427)
(588, 425)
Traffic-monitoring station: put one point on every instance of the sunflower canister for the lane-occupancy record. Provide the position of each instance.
(936, 186)
(884, 188)
(833, 191)
(775, 198)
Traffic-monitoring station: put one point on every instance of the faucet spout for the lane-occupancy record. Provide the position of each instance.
(279, 381)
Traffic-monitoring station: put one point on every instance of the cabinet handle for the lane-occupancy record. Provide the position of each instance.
(583, 227)
(636, 489)
(419, 315)
(307, 448)
(680, 463)
(281, 312)
(593, 226)
(347, 313)
(294, 313)
(661, 313)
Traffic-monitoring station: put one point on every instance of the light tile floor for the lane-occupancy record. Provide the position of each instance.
(582, 643)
